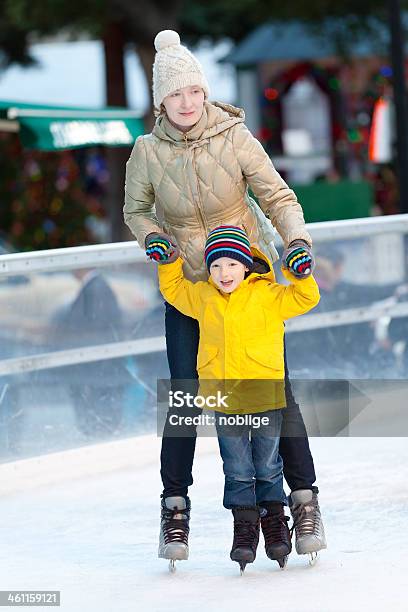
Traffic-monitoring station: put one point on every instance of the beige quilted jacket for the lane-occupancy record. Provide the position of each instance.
(187, 184)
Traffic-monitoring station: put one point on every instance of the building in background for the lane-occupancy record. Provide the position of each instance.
(311, 108)
(301, 98)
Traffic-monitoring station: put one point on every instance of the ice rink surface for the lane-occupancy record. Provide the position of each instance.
(68, 523)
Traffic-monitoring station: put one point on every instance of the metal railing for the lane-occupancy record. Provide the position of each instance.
(54, 260)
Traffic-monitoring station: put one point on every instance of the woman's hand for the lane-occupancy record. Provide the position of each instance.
(298, 259)
(160, 248)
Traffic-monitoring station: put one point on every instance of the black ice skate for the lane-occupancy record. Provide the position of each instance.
(276, 533)
(246, 535)
(174, 529)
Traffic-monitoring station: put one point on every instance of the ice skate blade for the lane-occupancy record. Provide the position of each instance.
(313, 558)
(242, 566)
(172, 566)
(283, 562)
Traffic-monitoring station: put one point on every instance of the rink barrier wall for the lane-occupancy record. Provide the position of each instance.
(102, 352)
(87, 354)
(54, 260)
(87, 462)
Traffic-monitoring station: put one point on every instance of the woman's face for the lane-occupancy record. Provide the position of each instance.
(184, 106)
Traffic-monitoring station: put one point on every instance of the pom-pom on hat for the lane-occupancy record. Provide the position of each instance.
(228, 241)
(174, 67)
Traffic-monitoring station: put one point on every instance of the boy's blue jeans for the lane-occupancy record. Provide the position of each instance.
(252, 465)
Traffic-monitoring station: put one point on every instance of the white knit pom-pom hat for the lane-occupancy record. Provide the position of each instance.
(174, 67)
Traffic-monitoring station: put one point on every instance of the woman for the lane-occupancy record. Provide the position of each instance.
(190, 175)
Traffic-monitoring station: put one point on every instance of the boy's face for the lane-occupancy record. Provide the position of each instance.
(227, 273)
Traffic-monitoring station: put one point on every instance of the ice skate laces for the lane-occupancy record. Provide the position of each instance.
(306, 518)
(274, 527)
(175, 525)
(245, 533)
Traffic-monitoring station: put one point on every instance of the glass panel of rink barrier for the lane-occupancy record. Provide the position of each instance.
(59, 386)
(45, 311)
(66, 407)
(81, 348)
(359, 330)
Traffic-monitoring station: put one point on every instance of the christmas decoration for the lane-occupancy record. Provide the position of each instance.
(44, 202)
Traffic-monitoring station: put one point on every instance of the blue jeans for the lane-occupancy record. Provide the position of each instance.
(252, 465)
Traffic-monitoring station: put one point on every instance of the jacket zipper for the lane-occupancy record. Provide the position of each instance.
(196, 197)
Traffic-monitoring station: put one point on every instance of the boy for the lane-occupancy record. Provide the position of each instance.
(241, 312)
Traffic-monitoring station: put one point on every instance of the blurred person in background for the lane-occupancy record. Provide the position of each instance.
(12, 416)
(190, 175)
(396, 339)
(96, 388)
(348, 349)
(386, 190)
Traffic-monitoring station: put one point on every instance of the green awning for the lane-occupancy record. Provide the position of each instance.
(52, 128)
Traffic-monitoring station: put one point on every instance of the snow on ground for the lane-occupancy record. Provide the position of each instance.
(95, 538)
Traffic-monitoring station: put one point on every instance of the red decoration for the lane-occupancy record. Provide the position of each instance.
(271, 93)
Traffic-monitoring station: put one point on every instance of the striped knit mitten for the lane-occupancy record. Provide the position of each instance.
(298, 259)
(160, 248)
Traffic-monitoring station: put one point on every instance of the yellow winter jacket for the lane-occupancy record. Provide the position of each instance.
(241, 333)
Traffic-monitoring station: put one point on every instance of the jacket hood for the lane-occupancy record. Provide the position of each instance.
(269, 274)
(216, 118)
